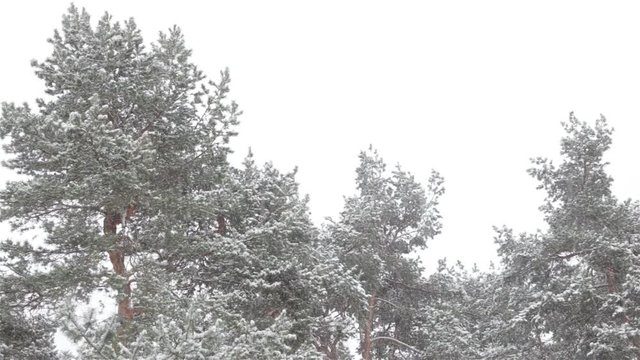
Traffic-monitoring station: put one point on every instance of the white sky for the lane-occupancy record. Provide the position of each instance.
(470, 88)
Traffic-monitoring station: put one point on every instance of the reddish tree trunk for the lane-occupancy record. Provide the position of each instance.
(366, 346)
(222, 224)
(117, 257)
(611, 284)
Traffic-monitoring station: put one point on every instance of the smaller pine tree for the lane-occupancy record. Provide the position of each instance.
(391, 216)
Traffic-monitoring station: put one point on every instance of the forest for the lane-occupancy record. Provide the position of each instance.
(123, 170)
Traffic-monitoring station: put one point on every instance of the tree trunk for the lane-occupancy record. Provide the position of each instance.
(366, 346)
(611, 284)
(117, 258)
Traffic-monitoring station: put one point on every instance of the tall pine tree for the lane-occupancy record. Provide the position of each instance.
(125, 135)
(572, 288)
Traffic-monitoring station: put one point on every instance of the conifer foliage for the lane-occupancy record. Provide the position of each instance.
(125, 131)
(126, 176)
(125, 179)
(24, 337)
(391, 216)
(573, 288)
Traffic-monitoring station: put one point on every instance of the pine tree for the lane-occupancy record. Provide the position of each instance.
(269, 258)
(571, 288)
(119, 149)
(126, 176)
(391, 216)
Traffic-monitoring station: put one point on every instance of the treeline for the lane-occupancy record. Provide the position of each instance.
(127, 178)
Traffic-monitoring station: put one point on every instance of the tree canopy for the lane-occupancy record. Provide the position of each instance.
(125, 177)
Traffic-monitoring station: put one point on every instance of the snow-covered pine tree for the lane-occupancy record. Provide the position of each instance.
(391, 216)
(573, 288)
(288, 268)
(127, 177)
(123, 142)
(268, 261)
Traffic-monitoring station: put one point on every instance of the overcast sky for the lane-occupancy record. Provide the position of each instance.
(472, 89)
